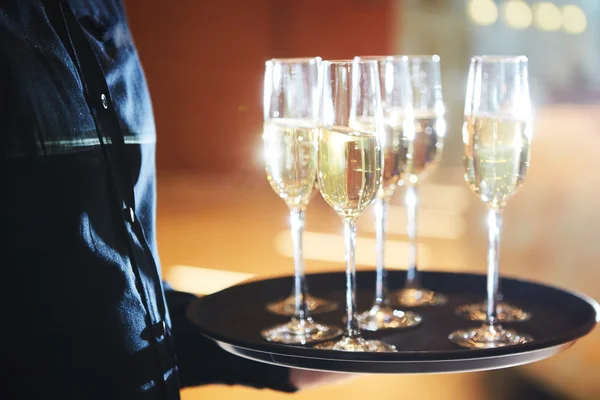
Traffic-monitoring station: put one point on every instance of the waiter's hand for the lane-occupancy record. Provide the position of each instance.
(305, 379)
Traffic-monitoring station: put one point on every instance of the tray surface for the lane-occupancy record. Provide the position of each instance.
(235, 316)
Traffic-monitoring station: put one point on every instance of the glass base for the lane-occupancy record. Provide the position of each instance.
(385, 317)
(505, 312)
(357, 344)
(315, 305)
(487, 337)
(300, 332)
(417, 297)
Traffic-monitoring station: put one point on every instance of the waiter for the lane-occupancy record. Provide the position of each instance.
(85, 314)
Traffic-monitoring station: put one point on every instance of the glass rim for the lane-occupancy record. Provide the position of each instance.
(423, 57)
(293, 60)
(385, 58)
(499, 58)
(349, 61)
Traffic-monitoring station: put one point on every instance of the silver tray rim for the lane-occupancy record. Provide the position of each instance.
(474, 364)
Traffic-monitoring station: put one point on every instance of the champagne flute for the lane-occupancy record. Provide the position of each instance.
(314, 305)
(349, 168)
(396, 93)
(291, 106)
(497, 135)
(423, 155)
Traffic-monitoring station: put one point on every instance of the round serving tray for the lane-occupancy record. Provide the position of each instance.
(235, 316)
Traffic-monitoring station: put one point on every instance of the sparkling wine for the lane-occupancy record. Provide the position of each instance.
(394, 149)
(424, 149)
(291, 160)
(349, 164)
(496, 156)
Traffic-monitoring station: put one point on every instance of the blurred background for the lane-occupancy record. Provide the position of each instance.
(219, 222)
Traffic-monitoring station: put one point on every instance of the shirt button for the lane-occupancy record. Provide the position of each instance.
(160, 329)
(128, 214)
(104, 101)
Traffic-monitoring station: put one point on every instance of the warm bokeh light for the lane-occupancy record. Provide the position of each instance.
(329, 247)
(547, 16)
(194, 279)
(483, 12)
(517, 14)
(574, 19)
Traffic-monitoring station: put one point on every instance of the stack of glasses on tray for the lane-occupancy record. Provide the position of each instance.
(356, 130)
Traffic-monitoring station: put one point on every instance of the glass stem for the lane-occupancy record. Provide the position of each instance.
(350, 238)
(411, 201)
(381, 287)
(297, 225)
(493, 257)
